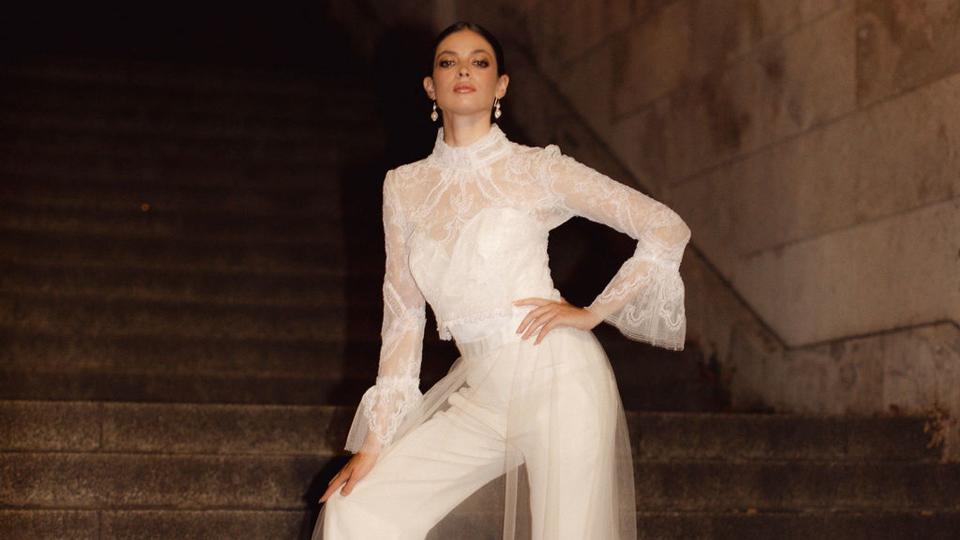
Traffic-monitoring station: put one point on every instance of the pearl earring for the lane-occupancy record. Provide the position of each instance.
(434, 115)
(496, 104)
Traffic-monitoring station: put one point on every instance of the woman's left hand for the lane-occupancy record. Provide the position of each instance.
(552, 313)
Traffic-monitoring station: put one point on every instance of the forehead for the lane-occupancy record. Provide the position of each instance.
(464, 42)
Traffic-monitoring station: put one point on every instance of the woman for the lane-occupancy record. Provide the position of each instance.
(532, 396)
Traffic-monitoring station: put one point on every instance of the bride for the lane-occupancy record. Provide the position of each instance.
(525, 437)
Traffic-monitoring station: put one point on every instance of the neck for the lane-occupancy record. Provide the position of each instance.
(463, 130)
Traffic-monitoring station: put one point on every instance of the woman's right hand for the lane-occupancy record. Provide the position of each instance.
(351, 473)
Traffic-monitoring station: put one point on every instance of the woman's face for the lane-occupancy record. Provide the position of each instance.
(464, 79)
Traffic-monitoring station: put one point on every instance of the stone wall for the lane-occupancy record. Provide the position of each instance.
(813, 146)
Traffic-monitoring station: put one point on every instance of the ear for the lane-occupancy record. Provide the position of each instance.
(502, 84)
(428, 87)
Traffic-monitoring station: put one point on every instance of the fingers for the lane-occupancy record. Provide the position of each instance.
(534, 315)
(350, 483)
(546, 328)
(548, 315)
(539, 322)
(334, 483)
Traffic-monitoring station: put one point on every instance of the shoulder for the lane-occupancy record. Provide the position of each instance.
(522, 151)
(406, 175)
(535, 160)
(538, 161)
(402, 176)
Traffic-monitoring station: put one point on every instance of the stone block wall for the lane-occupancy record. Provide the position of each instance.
(813, 146)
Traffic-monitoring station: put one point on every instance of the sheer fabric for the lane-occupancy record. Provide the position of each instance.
(466, 231)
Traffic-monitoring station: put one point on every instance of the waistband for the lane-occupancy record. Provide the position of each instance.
(480, 339)
(487, 344)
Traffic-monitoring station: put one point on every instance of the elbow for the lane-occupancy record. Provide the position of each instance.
(679, 232)
(684, 232)
(675, 238)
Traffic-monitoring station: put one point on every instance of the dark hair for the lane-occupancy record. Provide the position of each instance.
(473, 27)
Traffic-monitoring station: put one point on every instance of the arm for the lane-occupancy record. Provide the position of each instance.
(645, 299)
(397, 388)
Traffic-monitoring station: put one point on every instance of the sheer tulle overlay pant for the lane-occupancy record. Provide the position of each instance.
(517, 441)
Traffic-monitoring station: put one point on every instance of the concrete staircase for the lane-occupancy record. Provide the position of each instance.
(186, 329)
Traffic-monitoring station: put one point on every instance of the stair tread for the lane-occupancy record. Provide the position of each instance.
(272, 524)
(185, 427)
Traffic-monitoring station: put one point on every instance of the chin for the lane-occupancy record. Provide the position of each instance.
(464, 111)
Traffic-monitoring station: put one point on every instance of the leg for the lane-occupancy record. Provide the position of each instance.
(418, 481)
(570, 462)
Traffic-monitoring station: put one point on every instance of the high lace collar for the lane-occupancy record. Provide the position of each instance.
(482, 152)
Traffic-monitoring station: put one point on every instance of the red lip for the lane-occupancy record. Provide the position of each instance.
(463, 88)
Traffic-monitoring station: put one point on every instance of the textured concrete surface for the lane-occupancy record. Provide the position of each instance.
(199, 525)
(53, 426)
(193, 428)
(873, 277)
(253, 525)
(904, 45)
(36, 524)
(855, 170)
(779, 486)
(906, 371)
(804, 80)
(122, 480)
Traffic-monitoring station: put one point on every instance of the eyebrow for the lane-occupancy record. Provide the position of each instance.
(471, 52)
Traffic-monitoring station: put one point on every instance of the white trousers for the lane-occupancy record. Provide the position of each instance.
(566, 445)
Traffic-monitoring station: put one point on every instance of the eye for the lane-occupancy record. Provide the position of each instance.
(444, 63)
(482, 62)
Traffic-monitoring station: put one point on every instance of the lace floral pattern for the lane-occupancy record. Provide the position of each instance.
(466, 231)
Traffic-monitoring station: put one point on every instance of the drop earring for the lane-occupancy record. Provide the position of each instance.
(434, 115)
(496, 105)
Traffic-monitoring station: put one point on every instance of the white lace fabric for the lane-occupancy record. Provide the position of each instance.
(466, 231)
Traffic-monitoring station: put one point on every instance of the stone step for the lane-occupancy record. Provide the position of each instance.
(204, 370)
(94, 317)
(187, 165)
(131, 480)
(218, 81)
(158, 223)
(19, 381)
(781, 486)
(173, 387)
(316, 150)
(101, 194)
(19, 124)
(82, 426)
(215, 288)
(177, 368)
(286, 482)
(156, 524)
(159, 354)
(21, 120)
(315, 259)
(271, 525)
(86, 426)
(149, 104)
(43, 164)
(799, 525)
(725, 436)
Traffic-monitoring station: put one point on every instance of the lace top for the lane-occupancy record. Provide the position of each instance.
(466, 230)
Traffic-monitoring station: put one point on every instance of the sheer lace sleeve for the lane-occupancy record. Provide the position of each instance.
(645, 299)
(397, 388)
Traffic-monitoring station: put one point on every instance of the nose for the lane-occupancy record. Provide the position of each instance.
(464, 70)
